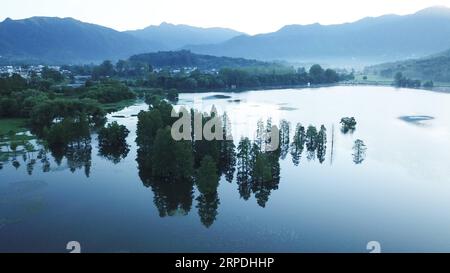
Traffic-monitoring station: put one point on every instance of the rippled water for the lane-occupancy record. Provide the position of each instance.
(398, 195)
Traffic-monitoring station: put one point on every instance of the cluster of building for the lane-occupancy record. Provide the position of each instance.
(28, 70)
(185, 70)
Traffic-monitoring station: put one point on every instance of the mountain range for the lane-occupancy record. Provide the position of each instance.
(65, 40)
(367, 41)
(176, 36)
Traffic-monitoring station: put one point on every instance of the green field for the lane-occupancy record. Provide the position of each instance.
(117, 106)
(15, 125)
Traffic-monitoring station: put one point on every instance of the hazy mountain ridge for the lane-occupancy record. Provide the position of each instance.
(177, 36)
(60, 40)
(374, 38)
(367, 41)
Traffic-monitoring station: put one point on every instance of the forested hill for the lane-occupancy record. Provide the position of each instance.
(185, 58)
(65, 40)
(435, 67)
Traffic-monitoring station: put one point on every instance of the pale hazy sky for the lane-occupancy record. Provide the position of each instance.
(255, 16)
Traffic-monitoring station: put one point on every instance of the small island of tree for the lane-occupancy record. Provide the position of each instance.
(112, 141)
(348, 124)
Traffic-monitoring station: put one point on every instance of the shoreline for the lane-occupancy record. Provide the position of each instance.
(438, 89)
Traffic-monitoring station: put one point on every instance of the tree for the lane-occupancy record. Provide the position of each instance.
(322, 144)
(298, 144)
(317, 74)
(113, 135)
(108, 91)
(401, 81)
(348, 124)
(331, 76)
(311, 142)
(359, 151)
(172, 160)
(284, 138)
(207, 208)
(398, 79)
(227, 159)
(428, 84)
(244, 157)
(148, 125)
(112, 141)
(52, 74)
(207, 176)
(106, 69)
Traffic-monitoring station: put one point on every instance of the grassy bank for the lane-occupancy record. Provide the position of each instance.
(117, 106)
(15, 125)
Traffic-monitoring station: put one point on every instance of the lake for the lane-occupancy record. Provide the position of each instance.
(395, 191)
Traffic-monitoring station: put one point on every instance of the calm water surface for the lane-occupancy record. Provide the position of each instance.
(398, 195)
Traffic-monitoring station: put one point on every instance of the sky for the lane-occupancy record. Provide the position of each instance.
(249, 16)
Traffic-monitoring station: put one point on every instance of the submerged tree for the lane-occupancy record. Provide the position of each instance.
(244, 165)
(311, 142)
(227, 159)
(260, 134)
(265, 175)
(207, 176)
(148, 125)
(359, 151)
(298, 144)
(207, 182)
(322, 144)
(207, 208)
(171, 159)
(168, 171)
(71, 138)
(284, 138)
(112, 142)
(348, 125)
(79, 157)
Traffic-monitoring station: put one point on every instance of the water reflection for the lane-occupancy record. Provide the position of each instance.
(174, 170)
(359, 151)
(258, 171)
(298, 144)
(112, 142)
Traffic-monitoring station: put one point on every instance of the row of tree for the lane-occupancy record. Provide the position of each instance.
(237, 77)
(401, 81)
(228, 78)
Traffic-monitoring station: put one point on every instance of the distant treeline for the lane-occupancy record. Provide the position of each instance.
(402, 81)
(228, 78)
(141, 74)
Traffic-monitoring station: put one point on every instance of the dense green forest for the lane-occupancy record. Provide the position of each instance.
(185, 58)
